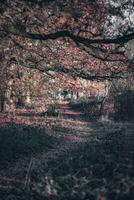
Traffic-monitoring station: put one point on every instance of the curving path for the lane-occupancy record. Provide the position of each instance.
(70, 128)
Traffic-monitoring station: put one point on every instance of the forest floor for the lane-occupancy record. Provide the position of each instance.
(65, 156)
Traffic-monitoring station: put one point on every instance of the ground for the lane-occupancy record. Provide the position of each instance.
(65, 156)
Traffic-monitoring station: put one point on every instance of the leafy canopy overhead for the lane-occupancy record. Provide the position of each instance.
(83, 38)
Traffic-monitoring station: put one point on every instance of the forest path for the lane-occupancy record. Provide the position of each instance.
(104, 149)
(70, 128)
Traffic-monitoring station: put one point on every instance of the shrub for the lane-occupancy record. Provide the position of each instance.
(51, 110)
(91, 106)
(124, 105)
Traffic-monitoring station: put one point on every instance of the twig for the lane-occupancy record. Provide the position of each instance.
(27, 179)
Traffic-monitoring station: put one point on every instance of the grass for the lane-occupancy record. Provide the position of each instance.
(60, 129)
(17, 141)
(101, 169)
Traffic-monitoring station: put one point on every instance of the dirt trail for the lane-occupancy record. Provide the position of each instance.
(110, 153)
(78, 132)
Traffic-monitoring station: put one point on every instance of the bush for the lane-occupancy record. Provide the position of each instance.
(124, 105)
(90, 106)
(51, 110)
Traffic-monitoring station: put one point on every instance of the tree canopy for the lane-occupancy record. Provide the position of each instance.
(90, 39)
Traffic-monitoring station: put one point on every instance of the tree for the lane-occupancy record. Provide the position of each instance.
(88, 39)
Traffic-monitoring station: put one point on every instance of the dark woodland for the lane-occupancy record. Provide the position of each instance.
(66, 100)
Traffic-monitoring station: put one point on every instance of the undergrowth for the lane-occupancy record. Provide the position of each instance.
(17, 141)
(100, 169)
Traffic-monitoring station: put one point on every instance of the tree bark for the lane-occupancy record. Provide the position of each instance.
(2, 104)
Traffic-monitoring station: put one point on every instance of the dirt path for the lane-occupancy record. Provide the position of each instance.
(70, 128)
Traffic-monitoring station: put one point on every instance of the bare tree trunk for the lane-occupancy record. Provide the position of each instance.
(77, 94)
(2, 103)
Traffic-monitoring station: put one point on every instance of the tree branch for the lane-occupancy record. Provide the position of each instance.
(75, 38)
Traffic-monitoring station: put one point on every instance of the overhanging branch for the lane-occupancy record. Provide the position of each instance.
(75, 38)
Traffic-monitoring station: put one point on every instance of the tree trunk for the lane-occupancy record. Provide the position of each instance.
(77, 94)
(2, 104)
